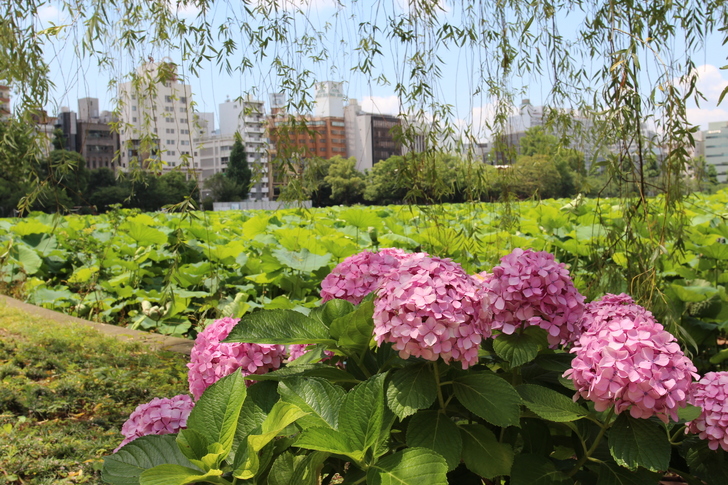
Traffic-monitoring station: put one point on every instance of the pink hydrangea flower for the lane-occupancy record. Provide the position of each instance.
(358, 275)
(159, 416)
(711, 394)
(611, 307)
(430, 308)
(211, 360)
(631, 362)
(530, 288)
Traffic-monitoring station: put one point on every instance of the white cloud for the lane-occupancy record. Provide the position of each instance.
(49, 13)
(711, 82)
(380, 105)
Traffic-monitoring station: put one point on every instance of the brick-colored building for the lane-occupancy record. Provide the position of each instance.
(293, 140)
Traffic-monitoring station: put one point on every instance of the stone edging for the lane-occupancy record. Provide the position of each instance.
(154, 340)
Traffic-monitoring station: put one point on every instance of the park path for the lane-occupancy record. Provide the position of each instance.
(153, 340)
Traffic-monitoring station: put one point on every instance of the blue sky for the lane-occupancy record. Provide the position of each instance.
(76, 78)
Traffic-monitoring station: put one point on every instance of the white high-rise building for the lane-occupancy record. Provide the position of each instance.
(716, 148)
(158, 109)
(329, 99)
(246, 117)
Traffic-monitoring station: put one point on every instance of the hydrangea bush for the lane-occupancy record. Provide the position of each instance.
(412, 371)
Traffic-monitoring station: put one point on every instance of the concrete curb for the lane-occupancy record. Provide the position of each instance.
(153, 340)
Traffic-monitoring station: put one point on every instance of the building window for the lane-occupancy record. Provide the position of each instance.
(183, 99)
(183, 109)
(168, 108)
(184, 132)
(170, 142)
(169, 120)
(133, 96)
(133, 108)
(170, 153)
(184, 142)
(183, 120)
(170, 130)
(168, 98)
(134, 120)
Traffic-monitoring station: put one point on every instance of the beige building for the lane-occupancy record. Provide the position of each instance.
(156, 121)
(4, 102)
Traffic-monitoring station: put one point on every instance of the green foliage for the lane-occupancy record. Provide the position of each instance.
(224, 188)
(67, 390)
(347, 184)
(238, 170)
(405, 421)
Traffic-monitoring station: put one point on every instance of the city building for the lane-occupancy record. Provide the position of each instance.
(90, 133)
(246, 117)
(156, 121)
(4, 102)
(505, 146)
(293, 139)
(370, 137)
(716, 148)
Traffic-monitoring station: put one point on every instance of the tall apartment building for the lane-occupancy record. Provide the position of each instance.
(716, 148)
(295, 138)
(246, 117)
(90, 133)
(370, 138)
(157, 110)
(4, 102)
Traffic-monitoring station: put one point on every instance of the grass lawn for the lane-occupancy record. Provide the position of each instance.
(65, 391)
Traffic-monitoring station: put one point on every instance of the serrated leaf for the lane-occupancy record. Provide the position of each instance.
(126, 466)
(549, 404)
(260, 399)
(435, 431)
(706, 464)
(483, 454)
(215, 415)
(639, 443)
(613, 474)
(317, 397)
(490, 397)
(411, 388)
(362, 413)
(413, 466)
(246, 462)
(290, 469)
(331, 310)
(330, 373)
(355, 331)
(283, 327)
(169, 474)
(529, 469)
(518, 348)
(193, 444)
(330, 441)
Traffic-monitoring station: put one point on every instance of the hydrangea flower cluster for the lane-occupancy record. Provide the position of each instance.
(611, 307)
(629, 360)
(159, 416)
(358, 275)
(211, 360)
(711, 394)
(430, 308)
(531, 288)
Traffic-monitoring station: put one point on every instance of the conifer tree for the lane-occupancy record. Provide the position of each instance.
(238, 170)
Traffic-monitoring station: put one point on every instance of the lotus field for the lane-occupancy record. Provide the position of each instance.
(534, 343)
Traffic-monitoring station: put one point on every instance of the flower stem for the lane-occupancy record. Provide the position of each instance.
(594, 445)
(440, 398)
